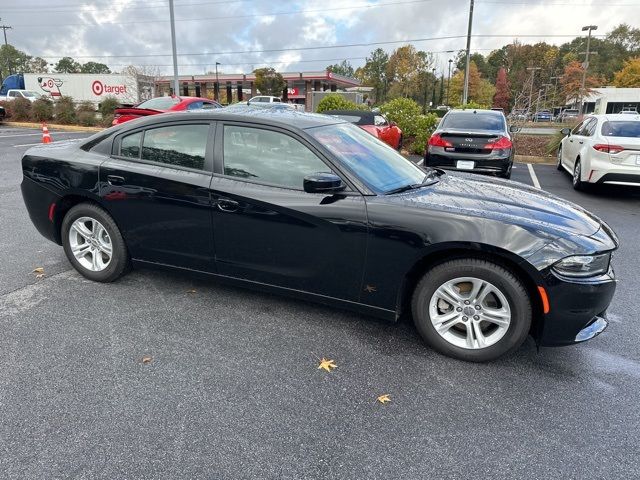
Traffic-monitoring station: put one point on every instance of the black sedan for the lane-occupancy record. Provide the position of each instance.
(472, 141)
(312, 206)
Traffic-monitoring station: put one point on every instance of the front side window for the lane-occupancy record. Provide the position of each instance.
(177, 145)
(268, 157)
(379, 121)
(578, 128)
(195, 106)
(130, 145)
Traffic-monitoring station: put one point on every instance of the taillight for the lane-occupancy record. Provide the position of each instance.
(437, 141)
(606, 148)
(501, 143)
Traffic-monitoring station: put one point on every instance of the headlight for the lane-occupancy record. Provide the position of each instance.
(583, 265)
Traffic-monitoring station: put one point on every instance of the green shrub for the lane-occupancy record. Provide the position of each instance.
(42, 110)
(425, 125)
(404, 112)
(21, 109)
(108, 106)
(64, 110)
(335, 102)
(86, 119)
(438, 113)
(8, 108)
(106, 121)
(473, 106)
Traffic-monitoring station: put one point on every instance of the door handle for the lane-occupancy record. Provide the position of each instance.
(570, 141)
(227, 205)
(580, 143)
(115, 180)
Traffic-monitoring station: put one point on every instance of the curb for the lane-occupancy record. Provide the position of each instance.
(52, 126)
(533, 159)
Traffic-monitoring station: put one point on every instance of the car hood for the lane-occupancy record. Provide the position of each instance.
(505, 201)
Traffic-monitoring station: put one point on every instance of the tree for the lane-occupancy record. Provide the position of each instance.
(403, 69)
(374, 73)
(629, 75)
(342, 68)
(572, 82)
(94, 67)
(503, 93)
(626, 37)
(269, 82)
(67, 65)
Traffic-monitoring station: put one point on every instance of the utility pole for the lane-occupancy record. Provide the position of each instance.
(586, 64)
(465, 93)
(176, 83)
(533, 72)
(449, 80)
(4, 30)
(216, 90)
(433, 95)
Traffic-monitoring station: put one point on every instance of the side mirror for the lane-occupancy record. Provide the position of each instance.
(323, 183)
(566, 131)
(514, 129)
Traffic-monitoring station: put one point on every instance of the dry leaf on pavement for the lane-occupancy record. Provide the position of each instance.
(326, 364)
(191, 291)
(38, 270)
(147, 359)
(384, 398)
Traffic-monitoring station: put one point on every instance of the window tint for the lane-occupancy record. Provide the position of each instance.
(590, 128)
(269, 157)
(130, 145)
(474, 121)
(13, 94)
(179, 145)
(578, 128)
(195, 106)
(379, 121)
(629, 129)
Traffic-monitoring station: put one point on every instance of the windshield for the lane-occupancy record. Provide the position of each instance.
(160, 103)
(473, 121)
(29, 94)
(628, 129)
(378, 165)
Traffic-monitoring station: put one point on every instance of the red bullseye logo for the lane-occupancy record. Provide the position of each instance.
(97, 87)
(50, 83)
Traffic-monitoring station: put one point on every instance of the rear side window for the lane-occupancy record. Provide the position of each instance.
(474, 121)
(621, 129)
(178, 145)
(130, 145)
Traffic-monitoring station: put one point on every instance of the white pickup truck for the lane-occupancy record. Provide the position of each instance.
(28, 94)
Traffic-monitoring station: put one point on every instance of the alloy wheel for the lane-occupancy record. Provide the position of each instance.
(90, 244)
(577, 174)
(470, 313)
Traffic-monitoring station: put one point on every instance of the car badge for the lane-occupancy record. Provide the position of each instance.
(468, 139)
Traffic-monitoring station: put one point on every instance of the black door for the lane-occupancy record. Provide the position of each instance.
(268, 230)
(156, 187)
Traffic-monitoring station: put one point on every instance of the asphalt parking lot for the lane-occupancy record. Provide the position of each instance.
(232, 389)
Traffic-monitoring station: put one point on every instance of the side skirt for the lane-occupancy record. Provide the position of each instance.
(382, 313)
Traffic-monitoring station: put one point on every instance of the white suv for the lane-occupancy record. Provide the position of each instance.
(264, 99)
(602, 149)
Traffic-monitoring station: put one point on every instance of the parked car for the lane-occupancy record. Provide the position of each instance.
(374, 123)
(602, 149)
(472, 140)
(629, 111)
(521, 115)
(3, 113)
(264, 99)
(313, 206)
(568, 115)
(12, 94)
(157, 105)
(543, 116)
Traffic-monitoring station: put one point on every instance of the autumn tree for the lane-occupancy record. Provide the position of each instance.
(571, 82)
(629, 76)
(403, 69)
(503, 93)
(269, 82)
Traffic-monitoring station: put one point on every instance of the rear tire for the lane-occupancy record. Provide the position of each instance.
(499, 313)
(93, 243)
(576, 179)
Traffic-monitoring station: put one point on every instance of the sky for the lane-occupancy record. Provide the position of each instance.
(267, 33)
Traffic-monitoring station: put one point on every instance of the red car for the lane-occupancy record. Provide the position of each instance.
(157, 105)
(374, 123)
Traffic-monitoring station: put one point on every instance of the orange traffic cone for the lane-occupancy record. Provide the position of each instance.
(46, 137)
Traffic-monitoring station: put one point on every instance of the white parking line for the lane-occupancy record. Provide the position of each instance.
(27, 145)
(534, 177)
(20, 135)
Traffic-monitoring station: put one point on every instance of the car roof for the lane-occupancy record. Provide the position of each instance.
(473, 111)
(266, 116)
(627, 117)
(365, 116)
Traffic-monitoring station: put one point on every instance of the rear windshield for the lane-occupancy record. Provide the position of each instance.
(160, 103)
(473, 121)
(349, 118)
(621, 129)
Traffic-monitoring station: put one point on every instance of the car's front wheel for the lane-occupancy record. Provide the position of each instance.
(472, 309)
(559, 159)
(93, 243)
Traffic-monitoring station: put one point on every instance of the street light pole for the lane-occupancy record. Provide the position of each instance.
(216, 91)
(465, 93)
(449, 80)
(586, 64)
(176, 83)
(433, 95)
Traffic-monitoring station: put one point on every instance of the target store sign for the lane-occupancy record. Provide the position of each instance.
(101, 88)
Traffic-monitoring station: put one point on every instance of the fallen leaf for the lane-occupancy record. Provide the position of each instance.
(40, 275)
(191, 291)
(384, 398)
(38, 270)
(147, 359)
(326, 364)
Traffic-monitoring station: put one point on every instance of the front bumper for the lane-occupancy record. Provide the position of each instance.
(493, 164)
(577, 309)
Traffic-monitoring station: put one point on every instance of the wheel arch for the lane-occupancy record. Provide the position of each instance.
(526, 272)
(66, 203)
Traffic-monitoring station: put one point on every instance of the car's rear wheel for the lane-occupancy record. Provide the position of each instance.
(472, 309)
(576, 180)
(93, 243)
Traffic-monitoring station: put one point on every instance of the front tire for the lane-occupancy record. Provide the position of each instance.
(472, 310)
(559, 158)
(93, 243)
